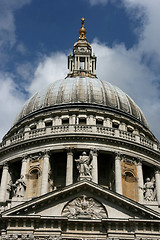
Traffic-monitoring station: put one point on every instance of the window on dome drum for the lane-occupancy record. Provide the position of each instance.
(65, 121)
(130, 129)
(115, 125)
(33, 126)
(82, 63)
(82, 121)
(48, 123)
(99, 122)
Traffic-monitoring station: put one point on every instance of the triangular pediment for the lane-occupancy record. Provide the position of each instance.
(83, 199)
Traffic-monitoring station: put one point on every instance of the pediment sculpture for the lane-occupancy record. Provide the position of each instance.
(84, 207)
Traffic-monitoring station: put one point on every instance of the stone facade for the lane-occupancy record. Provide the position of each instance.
(79, 167)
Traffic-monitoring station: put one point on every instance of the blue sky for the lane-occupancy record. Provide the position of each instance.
(37, 35)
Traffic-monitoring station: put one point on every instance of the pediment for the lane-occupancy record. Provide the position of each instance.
(84, 199)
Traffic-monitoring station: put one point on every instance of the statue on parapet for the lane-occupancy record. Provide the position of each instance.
(149, 190)
(19, 187)
(84, 165)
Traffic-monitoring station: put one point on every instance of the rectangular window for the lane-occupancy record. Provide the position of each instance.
(82, 121)
(82, 61)
(65, 121)
(99, 122)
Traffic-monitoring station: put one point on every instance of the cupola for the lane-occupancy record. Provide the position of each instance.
(82, 62)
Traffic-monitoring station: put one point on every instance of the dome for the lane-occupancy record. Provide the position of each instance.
(82, 90)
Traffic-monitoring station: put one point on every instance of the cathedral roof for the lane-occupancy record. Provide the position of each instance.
(82, 90)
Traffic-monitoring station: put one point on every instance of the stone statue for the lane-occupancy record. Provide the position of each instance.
(84, 165)
(19, 187)
(148, 190)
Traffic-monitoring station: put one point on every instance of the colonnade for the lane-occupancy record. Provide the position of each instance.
(69, 174)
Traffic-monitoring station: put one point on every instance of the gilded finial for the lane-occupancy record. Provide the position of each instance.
(82, 31)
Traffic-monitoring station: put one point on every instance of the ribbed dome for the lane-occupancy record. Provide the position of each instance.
(82, 90)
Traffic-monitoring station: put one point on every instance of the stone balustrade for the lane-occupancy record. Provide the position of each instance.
(92, 129)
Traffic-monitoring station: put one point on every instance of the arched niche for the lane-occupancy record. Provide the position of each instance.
(33, 182)
(130, 185)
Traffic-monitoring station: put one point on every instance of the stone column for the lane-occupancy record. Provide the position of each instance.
(118, 173)
(4, 182)
(157, 178)
(85, 64)
(78, 67)
(45, 172)
(69, 168)
(95, 166)
(93, 66)
(24, 166)
(140, 180)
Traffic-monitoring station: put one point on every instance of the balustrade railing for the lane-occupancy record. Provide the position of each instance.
(146, 142)
(127, 135)
(99, 130)
(106, 130)
(83, 128)
(37, 132)
(17, 138)
(59, 129)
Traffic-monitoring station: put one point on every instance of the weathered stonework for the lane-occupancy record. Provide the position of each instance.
(80, 162)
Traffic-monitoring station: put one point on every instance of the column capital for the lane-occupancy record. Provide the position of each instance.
(94, 151)
(157, 170)
(139, 161)
(25, 157)
(46, 152)
(118, 156)
(69, 150)
(5, 165)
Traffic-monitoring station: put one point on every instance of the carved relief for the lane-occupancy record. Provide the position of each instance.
(84, 165)
(84, 207)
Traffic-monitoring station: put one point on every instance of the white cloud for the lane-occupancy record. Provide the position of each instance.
(11, 101)
(7, 24)
(49, 69)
